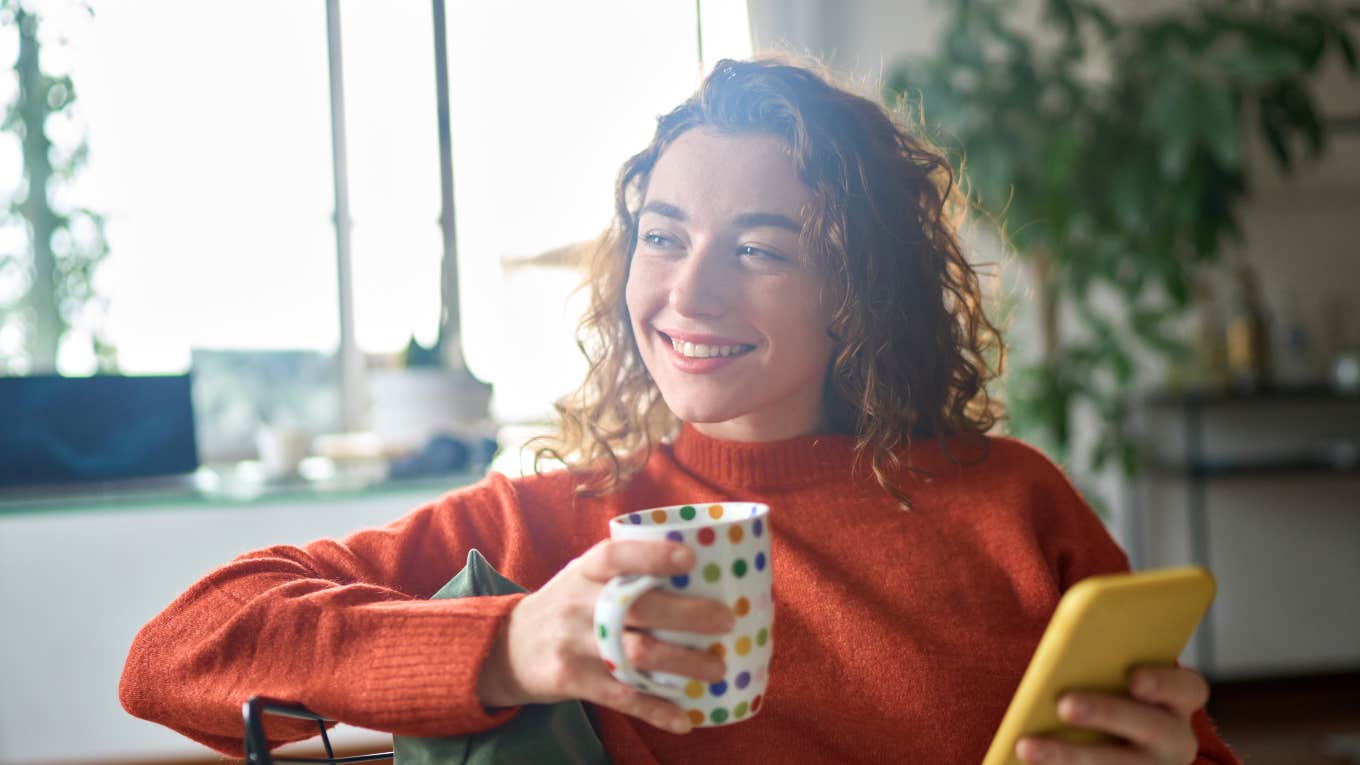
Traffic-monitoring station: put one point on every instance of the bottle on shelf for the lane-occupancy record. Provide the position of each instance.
(1292, 352)
(1209, 360)
(1248, 343)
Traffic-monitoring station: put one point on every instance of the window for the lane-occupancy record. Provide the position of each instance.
(210, 154)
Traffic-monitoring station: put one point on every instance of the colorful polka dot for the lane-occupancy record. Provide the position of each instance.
(706, 537)
(694, 689)
(634, 518)
(609, 665)
(754, 509)
(680, 581)
(763, 636)
(718, 715)
(604, 633)
(742, 646)
(739, 568)
(742, 607)
(740, 711)
(755, 704)
(743, 680)
(735, 533)
(711, 572)
(695, 717)
(717, 650)
(687, 512)
(758, 527)
(659, 516)
(718, 688)
(760, 561)
(675, 536)
(715, 512)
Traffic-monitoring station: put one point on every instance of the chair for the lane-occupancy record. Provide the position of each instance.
(257, 748)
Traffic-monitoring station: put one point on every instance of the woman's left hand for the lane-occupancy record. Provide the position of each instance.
(1153, 726)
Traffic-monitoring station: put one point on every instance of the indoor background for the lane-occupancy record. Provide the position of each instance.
(280, 300)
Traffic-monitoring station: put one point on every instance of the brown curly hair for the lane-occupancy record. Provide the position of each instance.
(913, 348)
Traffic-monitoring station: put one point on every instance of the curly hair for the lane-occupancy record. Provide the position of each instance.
(913, 348)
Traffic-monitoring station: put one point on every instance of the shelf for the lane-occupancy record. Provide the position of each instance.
(1310, 394)
(1273, 469)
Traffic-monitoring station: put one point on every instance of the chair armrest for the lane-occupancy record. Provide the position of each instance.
(257, 746)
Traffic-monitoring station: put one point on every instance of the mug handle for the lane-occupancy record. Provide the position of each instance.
(612, 604)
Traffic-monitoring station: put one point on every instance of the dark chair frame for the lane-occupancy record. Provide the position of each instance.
(257, 747)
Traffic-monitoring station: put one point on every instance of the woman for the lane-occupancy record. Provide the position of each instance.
(781, 313)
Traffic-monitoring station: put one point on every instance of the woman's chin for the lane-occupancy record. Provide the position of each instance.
(703, 419)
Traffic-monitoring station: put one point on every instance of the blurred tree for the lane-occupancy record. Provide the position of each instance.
(1114, 151)
(60, 248)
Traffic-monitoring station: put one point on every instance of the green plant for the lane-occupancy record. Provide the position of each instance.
(1114, 151)
(59, 247)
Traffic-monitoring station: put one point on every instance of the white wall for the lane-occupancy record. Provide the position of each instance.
(76, 586)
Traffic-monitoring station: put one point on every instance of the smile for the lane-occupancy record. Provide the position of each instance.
(700, 357)
(697, 351)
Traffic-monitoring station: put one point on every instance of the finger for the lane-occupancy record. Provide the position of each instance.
(1052, 752)
(1143, 725)
(1183, 691)
(611, 558)
(647, 653)
(598, 687)
(663, 610)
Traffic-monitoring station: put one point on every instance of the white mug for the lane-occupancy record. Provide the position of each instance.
(731, 542)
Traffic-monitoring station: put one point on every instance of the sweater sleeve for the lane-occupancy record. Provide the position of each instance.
(344, 627)
(1078, 546)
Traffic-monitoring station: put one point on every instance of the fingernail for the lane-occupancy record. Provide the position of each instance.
(682, 558)
(680, 725)
(1144, 684)
(1030, 750)
(1071, 709)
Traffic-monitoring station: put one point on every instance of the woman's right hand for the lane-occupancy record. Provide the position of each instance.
(547, 651)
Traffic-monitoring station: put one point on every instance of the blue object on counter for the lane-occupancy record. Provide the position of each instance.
(57, 429)
(444, 454)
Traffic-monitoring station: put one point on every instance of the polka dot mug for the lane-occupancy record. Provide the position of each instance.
(731, 542)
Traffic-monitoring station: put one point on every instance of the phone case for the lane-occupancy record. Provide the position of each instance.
(1103, 627)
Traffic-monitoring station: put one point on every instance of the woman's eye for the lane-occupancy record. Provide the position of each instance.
(656, 240)
(747, 251)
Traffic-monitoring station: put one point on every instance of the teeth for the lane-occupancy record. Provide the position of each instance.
(686, 348)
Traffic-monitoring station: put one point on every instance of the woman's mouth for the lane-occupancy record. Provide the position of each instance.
(692, 356)
(702, 351)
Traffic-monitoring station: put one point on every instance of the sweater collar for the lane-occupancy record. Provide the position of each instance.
(791, 463)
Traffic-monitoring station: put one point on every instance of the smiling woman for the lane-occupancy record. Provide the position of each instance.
(782, 295)
(776, 212)
(726, 302)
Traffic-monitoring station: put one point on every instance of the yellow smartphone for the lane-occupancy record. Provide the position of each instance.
(1104, 626)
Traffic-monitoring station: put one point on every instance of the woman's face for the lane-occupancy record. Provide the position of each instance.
(726, 305)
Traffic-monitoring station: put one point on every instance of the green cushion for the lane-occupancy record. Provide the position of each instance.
(540, 733)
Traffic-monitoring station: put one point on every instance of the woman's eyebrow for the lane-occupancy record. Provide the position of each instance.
(664, 209)
(758, 219)
(744, 220)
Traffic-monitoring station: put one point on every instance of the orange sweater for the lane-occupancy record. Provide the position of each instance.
(900, 635)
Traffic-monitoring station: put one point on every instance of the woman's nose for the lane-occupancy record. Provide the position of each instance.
(700, 289)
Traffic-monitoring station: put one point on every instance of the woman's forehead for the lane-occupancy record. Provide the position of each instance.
(712, 174)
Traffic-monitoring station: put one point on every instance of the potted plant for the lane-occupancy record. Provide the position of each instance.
(1114, 151)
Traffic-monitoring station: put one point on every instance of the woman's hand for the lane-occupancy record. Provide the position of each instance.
(1154, 726)
(547, 653)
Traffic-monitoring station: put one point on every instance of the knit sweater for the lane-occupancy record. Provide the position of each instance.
(900, 634)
